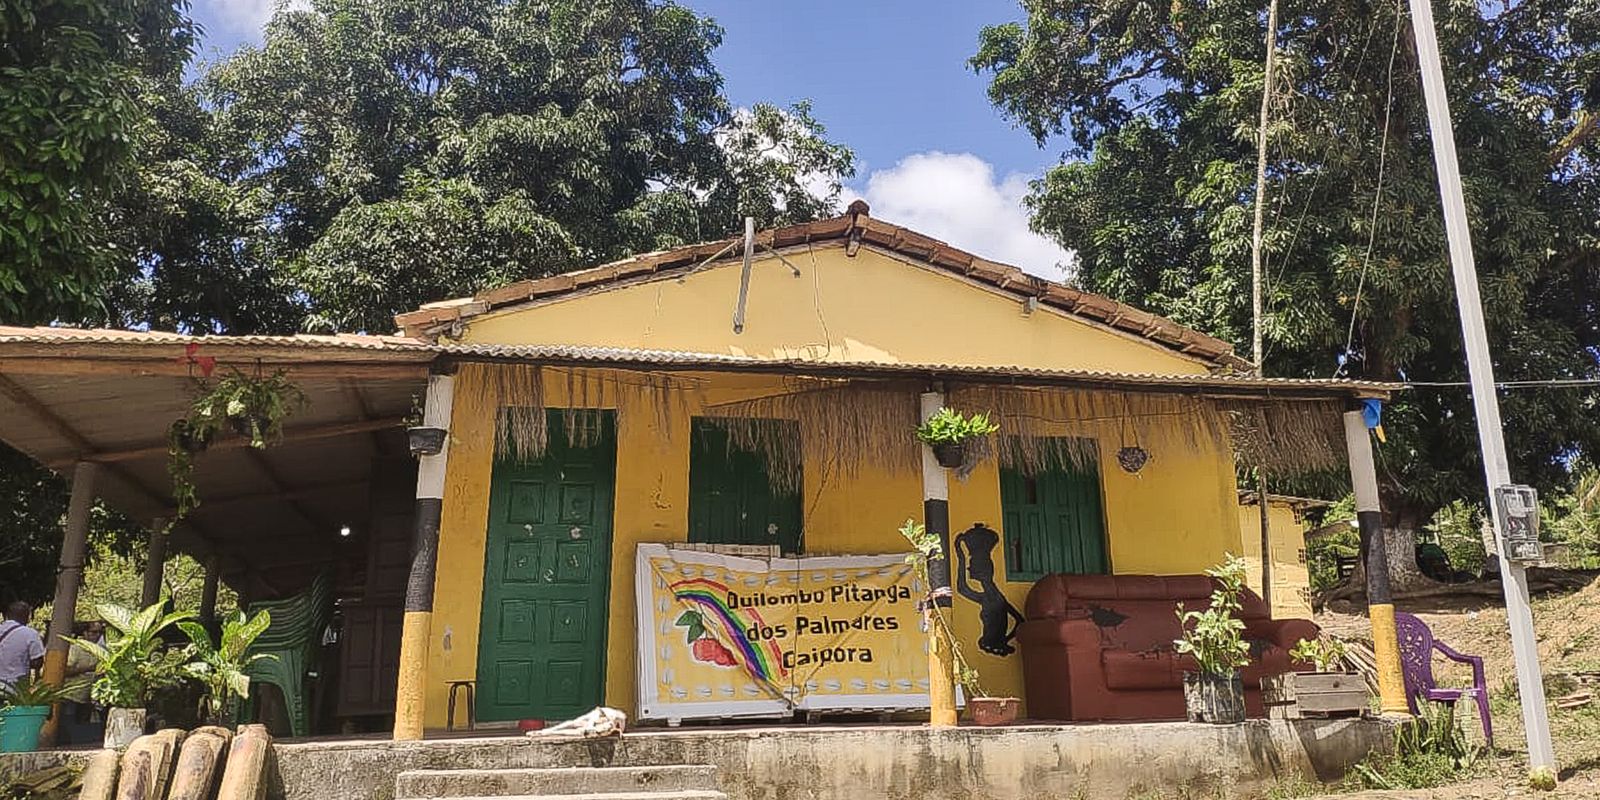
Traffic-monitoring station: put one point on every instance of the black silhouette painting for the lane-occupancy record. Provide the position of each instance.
(975, 564)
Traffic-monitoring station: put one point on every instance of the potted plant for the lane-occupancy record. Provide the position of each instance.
(423, 440)
(220, 667)
(254, 407)
(948, 432)
(24, 707)
(985, 710)
(1215, 639)
(132, 664)
(1330, 690)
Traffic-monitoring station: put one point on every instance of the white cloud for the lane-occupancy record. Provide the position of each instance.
(955, 197)
(244, 18)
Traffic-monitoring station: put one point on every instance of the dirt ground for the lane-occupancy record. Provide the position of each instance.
(1568, 629)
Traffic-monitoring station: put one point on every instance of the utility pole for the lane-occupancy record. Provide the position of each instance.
(1491, 437)
(1257, 288)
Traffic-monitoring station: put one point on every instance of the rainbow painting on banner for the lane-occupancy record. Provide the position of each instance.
(725, 636)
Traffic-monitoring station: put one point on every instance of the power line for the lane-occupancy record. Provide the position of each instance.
(1551, 383)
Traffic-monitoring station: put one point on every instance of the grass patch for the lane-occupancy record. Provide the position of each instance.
(1429, 751)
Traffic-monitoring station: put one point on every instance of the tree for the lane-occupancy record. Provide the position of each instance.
(373, 155)
(1158, 101)
(75, 76)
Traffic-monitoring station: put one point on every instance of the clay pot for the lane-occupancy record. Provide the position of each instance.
(990, 712)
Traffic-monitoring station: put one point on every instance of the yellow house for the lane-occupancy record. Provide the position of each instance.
(762, 392)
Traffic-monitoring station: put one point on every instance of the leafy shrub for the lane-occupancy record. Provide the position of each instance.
(950, 426)
(1458, 530)
(1430, 750)
(1215, 636)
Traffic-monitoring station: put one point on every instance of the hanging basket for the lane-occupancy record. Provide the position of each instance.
(425, 441)
(950, 455)
(1132, 459)
(1217, 699)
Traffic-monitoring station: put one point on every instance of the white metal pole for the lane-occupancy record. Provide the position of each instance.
(1491, 437)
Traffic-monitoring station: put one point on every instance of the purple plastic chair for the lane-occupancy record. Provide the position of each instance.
(1417, 646)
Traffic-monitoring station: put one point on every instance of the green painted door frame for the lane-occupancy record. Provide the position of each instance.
(546, 583)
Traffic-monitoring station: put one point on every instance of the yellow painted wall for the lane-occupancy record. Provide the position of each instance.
(1178, 515)
(875, 307)
(1291, 579)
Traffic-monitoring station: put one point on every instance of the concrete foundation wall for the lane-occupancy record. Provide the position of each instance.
(898, 763)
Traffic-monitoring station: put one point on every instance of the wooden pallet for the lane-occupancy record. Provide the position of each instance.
(1297, 695)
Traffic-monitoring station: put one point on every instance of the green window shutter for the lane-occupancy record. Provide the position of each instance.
(731, 497)
(1054, 521)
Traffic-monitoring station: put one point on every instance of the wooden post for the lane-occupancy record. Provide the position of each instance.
(418, 620)
(154, 563)
(936, 517)
(208, 592)
(1380, 603)
(69, 576)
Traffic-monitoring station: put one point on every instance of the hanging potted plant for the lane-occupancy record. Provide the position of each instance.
(948, 433)
(254, 407)
(131, 666)
(24, 707)
(984, 710)
(1215, 639)
(422, 439)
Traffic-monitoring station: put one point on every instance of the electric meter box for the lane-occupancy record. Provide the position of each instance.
(1518, 507)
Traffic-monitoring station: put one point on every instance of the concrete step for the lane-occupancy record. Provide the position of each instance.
(570, 781)
(684, 795)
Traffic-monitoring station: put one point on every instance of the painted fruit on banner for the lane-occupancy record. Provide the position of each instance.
(725, 635)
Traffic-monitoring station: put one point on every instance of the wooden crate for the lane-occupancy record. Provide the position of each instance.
(1295, 695)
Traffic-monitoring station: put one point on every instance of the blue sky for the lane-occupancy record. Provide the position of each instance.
(887, 77)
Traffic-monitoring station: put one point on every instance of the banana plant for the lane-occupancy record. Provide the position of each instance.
(221, 667)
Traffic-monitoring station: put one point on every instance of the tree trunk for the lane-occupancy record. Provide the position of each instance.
(1401, 554)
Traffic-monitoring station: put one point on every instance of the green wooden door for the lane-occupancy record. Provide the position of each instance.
(542, 635)
(1054, 522)
(731, 499)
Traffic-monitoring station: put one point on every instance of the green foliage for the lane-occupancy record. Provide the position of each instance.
(31, 691)
(1572, 518)
(1430, 750)
(373, 155)
(948, 425)
(75, 76)
(33, 509)
(221, 667)
(1160, 104)
(1324, 551)
(1326, 653)
(1458, 530)
(1215, 636)
(134, 663)
(255, 406)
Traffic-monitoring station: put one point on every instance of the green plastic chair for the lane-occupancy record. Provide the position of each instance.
(294, 639)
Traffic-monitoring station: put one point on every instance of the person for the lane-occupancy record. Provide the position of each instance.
(21, 649)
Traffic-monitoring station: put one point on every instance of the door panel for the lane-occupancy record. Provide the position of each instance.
(541, 652)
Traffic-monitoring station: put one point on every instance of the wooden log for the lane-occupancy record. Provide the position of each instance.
(159, 752)
(134, 784)
(199, 766)
(100, 776)
(245, 777)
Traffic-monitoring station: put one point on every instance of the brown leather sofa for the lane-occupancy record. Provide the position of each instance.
(1099, 647)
